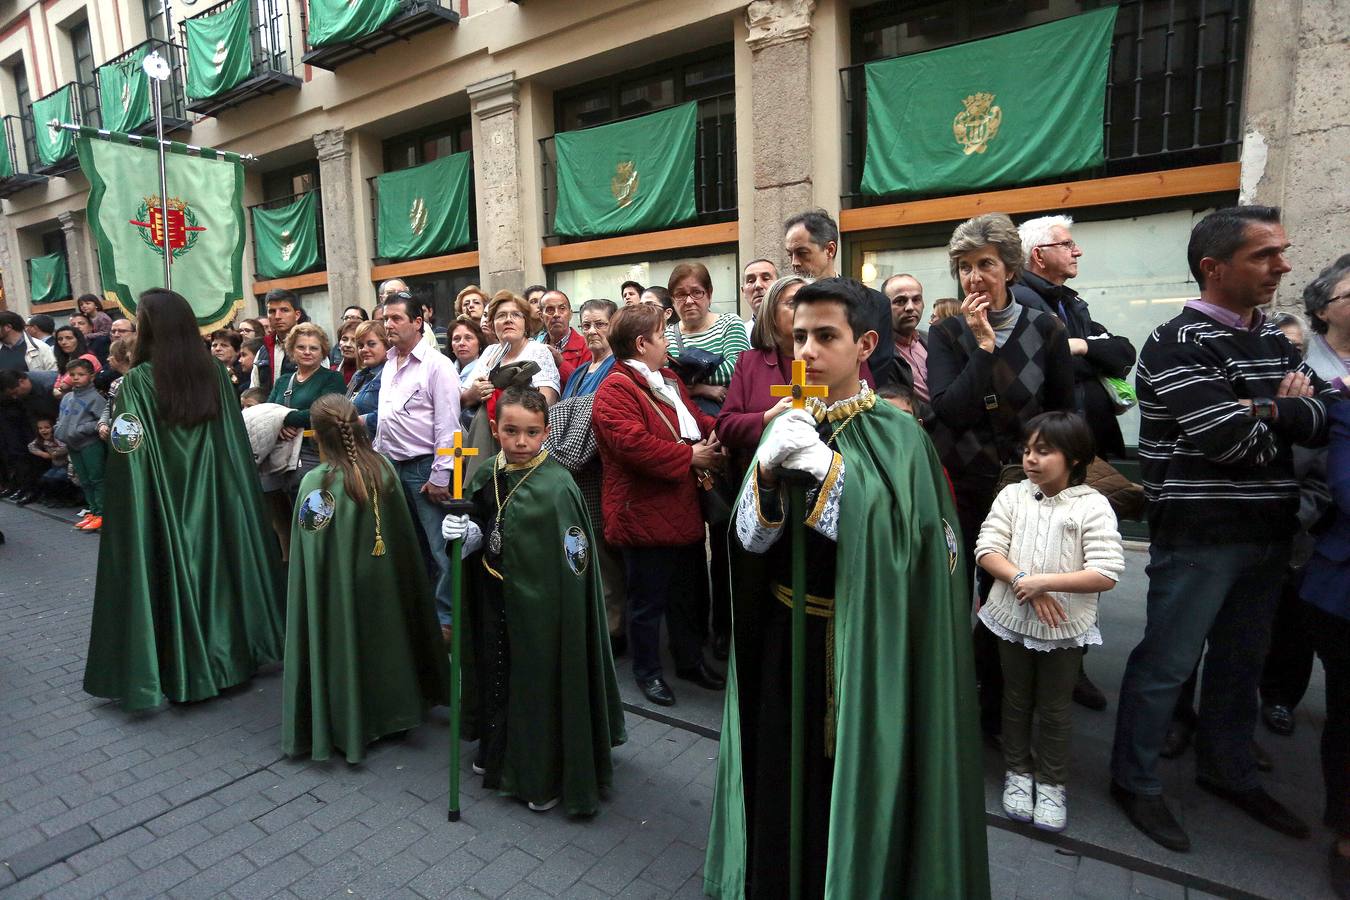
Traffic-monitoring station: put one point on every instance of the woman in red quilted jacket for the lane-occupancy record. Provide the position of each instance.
(654, 442)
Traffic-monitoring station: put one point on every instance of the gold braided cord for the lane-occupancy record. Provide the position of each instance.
(379, 536)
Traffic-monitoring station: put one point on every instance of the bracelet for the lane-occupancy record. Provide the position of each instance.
(1016, 578)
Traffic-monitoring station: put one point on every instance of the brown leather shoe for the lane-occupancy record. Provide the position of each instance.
(447, 635)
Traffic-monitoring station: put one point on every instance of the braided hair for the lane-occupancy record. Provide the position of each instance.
(345, 446)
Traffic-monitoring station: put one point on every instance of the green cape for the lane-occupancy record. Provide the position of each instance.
(563, 709)
(364, 656)
(187, 601)
(907, 807)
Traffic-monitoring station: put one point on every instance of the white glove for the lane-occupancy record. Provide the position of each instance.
(793, 430)
(814, 460)
(455, 527)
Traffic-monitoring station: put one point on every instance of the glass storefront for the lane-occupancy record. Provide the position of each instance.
(603, 281)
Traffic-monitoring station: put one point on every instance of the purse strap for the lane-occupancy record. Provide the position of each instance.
(646, 395)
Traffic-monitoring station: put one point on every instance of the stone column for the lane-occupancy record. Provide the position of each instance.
(13, 271)
(342, 256)
(80, 260)
(780, 88)
(496, 161)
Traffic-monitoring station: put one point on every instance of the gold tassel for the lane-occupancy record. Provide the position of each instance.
(829, 688)
(379, 538)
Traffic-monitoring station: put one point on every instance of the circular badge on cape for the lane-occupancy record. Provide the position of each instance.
(316, 511)
(950, 535)
(577, 548)
(125, 433)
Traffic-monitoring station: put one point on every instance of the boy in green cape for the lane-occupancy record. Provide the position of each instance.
(893, 790)
(539, 678)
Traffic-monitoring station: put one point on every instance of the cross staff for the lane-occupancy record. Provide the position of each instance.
(455, 551)
(799, 391)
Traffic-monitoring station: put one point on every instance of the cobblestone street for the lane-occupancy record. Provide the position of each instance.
(198, 800)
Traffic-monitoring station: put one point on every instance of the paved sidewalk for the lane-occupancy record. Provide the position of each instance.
(198, 801)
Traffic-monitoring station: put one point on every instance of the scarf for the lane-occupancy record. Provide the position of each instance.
(667, 394)
(1004, 321)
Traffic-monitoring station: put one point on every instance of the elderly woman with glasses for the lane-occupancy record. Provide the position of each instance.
(699, 327)
(515, 323)
(1327, 300)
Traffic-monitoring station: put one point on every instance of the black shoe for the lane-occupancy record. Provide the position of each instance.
(1085, 693)
(1263, 763)
(1260, 806)
(657, 691)
(721, 647)
(1150, 815)
(1340, 874)
(1178, 740)
(703, 676)
(7, 492)
(618, 644)
(1279, 718)
(25, 498)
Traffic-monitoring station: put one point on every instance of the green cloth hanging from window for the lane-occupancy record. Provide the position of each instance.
(635, 175)
(286, 239)
(124, 93)
(6, 164)
(1011, 109)
(340, 21)
(54, 144)
(219, 55)
(424, 210)
(47, 277)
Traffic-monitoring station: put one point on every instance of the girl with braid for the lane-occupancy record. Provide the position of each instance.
(363, 650)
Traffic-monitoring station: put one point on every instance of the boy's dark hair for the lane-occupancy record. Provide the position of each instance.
(254, 394)
(1067, 432)
(898, 390)
(847, 291)
(528, 397)
(80, 363)
(631, 284)
(1220, 234)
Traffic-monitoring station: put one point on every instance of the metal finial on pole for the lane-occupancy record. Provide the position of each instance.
(157, 70)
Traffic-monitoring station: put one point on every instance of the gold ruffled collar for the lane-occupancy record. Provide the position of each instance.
(847, 408)
(502, 464)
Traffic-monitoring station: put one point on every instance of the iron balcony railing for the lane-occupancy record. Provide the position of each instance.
(373, 182)
(82, 115)
(714, 165)
(413, 17)
(173, 103)
(286, 201)
(273, 51)
(19, 146)
(1174, 87)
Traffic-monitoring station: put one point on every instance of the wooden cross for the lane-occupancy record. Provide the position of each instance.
(458, 451)
(799, 390)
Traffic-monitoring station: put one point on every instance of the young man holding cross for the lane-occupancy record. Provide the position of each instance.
(892, 785)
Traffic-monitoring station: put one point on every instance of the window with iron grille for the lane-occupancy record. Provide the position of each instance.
(425, 145)
(82, 48)
(25, 99)
(290, 182)
(1174, 86)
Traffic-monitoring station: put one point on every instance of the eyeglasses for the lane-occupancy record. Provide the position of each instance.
(696, 294)
(507, 315)
(1338, 298)
(1070, 245)
(594, 326)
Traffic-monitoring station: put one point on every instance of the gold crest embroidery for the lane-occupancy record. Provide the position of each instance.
(977, 124)
(624, 184)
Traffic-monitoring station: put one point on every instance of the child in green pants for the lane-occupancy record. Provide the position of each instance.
(77, 428)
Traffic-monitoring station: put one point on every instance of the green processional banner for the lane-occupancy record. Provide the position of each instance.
(636, 175)
(53, 142)
(124, 93)
(424, 210)
(286, 240)
(205, 222)
(47, 276)
(1014, 108)
(219, 54)
(340, 21)
(6, 164)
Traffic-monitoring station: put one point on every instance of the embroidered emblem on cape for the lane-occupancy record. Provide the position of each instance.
(951, 547)
(977, 124)
(126, 433)
(316, 511)
(577, 549)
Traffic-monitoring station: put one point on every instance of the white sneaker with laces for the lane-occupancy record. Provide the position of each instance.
(1017, 802)
(1052, 808)
(543, 807)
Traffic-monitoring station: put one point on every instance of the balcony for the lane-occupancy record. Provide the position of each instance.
(117, 96)
(19, 151)
(413, 17)
(54, 151)
(471, 201)
(714, 166)
(278, 203)
(273, 52)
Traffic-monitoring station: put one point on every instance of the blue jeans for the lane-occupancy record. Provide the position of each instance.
(412, 474)
(1225, 594)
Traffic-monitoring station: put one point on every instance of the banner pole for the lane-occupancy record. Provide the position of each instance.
(145, 141)
(163, 185)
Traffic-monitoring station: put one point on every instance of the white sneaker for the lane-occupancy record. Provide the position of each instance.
(478, 770)
(1017, 797)
(543, 807)
(1052, 809)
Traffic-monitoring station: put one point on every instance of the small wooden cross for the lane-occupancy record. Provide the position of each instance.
(458, 451)
(799, 390)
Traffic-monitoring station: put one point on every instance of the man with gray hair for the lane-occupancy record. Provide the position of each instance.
(1051, 259)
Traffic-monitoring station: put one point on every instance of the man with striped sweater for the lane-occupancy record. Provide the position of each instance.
(1223, 398)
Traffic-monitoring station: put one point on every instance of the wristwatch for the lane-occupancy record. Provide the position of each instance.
(1264, 408)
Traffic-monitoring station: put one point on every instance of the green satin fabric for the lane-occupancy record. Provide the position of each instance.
(187, 601)
(364, 656)
(907, 807)
(563, 708)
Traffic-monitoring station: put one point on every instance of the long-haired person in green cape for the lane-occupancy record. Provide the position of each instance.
(364, 656)
(187, 601)
(892, 789)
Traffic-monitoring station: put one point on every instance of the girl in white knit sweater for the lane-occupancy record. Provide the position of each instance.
(1051, 542)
